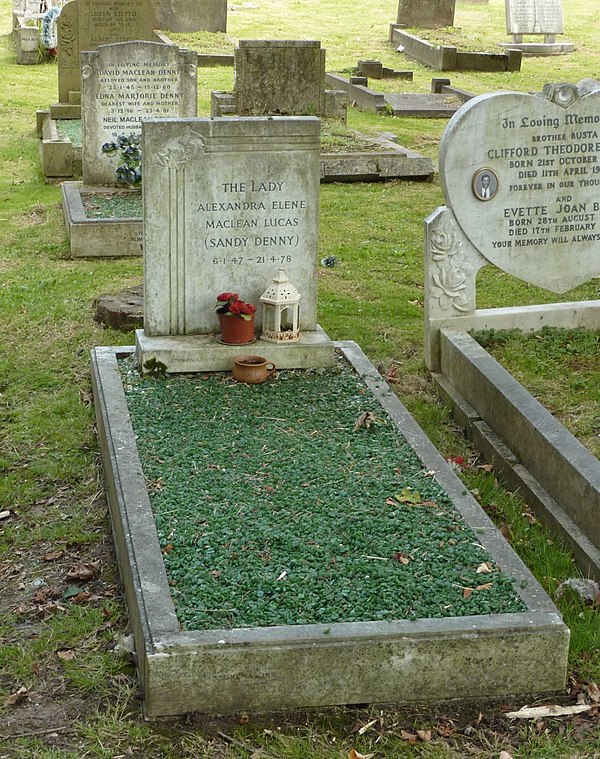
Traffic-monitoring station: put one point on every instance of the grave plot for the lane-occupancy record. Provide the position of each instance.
(365, 615)
(394, 574)
(449, 57)
(288, 78)
(521, 185)
(122, 84)
(442, 102)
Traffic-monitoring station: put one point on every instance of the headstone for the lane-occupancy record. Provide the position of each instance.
(85, 24)
(279, 77)
(521, 174)
(426, 14)
(185, 16)
(123, 83)
(227, 203)
(534, 17)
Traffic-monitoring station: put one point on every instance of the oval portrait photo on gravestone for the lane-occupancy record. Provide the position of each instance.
(484, 184)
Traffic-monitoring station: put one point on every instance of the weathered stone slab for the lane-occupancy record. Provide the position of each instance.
(521, 173)
(428, 106)
(182, 16)
(124, 83)
(483, 657)
(279, 77)
(123, 311)
(227, 202)
(427, 14)
(386, 160)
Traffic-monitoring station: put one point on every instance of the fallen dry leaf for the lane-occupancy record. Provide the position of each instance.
(4, 514)
(593, 692)
(505, 755)
(485, 566)
(467, 592)
(67, 655)
(367, 419)
(83, 572)
(244, 719)
(424, 735)
(487, 586)
(506, 530)
(53, 555)
(17, 696)
(445, 730)
(353, 754)
(400, 557)
(410, 737)
(588, 590)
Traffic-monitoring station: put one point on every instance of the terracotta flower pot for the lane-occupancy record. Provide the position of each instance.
(235, 330)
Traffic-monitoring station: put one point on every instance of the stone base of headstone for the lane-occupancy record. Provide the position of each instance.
(60, 158)
(123, 311)
(539, 49)
(203, 353)
(98, 238)
(65, 111)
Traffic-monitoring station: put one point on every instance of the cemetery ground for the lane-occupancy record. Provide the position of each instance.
(67, 685)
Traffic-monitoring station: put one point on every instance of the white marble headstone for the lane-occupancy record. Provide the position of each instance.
(534, 17)
(227, 203)
(123, 83)
(521, 173)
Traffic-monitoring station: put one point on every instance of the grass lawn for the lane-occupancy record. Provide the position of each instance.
(65, 692)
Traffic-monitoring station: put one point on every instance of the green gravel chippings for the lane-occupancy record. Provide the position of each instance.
(117, 205)
(273, 507)
(70, 129)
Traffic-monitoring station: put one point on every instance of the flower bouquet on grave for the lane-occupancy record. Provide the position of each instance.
(236, 318)
(129, 170)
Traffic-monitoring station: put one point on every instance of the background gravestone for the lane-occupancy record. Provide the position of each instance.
(185, 16)
(279, 77)
(85, 24)
(428, 14)
(534, 17)
(227, 203)
(123, 83)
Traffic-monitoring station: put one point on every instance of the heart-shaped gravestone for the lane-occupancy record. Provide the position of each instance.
(522, 176)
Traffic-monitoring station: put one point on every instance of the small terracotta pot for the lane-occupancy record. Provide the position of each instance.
(235, 330)
(252, 369)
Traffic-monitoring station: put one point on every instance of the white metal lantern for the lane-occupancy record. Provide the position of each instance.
(281, 310)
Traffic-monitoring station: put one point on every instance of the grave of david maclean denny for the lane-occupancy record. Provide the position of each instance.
(121, 85)
(227, 203)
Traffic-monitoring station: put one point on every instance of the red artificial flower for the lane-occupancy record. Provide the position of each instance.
(224, 297)
(235, 307)
(246, 308)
